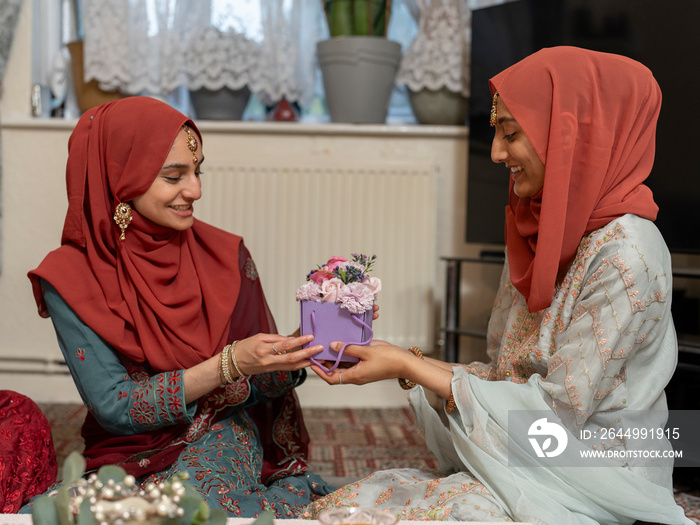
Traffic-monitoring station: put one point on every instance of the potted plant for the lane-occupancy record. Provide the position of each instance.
(222, 65)
(357, 17)
(358, 63)
(435, 67)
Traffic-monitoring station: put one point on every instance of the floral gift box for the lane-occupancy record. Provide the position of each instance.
(337, 304)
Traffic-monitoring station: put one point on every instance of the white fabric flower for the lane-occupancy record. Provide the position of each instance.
(309, 291)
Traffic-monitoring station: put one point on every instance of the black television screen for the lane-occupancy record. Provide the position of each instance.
(661, 35)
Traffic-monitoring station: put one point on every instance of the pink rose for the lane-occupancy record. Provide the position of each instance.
(321, 275)
(330, 289)
(373, 283)
(334, 262)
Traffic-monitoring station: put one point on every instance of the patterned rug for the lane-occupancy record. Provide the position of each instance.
(353, 443)
(346, 443)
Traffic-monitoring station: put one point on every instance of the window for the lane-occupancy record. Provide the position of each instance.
(57, 23)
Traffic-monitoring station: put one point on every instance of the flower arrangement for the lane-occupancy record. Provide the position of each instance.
(112, 496)
(343, 281)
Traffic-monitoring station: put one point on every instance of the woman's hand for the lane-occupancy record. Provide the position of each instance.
(254, 355)
(380, 360)
(270, 352)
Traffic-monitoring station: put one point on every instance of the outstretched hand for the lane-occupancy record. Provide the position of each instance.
(271, 352)
(379, 360)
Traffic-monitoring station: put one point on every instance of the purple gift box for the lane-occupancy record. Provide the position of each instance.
(328, 322)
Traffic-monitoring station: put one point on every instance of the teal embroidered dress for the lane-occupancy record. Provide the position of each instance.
(222, 437)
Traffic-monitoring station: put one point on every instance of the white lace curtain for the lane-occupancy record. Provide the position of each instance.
(439, 55)
(155, 46)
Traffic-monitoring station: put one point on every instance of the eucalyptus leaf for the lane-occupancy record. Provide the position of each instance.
(44, 511)
(73, 468)
(63, 510)
(85, 516)
(202, 515)
(56, 509)
(107, 472)
(196, 510)
(266, 518)
(190, 505)
(217, 517)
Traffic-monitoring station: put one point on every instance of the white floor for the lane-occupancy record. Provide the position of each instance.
(313, 393)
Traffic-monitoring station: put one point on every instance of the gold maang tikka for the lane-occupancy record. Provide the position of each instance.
(494, 110)
(191, 144)
(123, 217)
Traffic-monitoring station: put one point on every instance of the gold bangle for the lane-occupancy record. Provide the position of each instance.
(450, 405)
(405, 383)
(219, 369)
(233, 358)
(224, 370)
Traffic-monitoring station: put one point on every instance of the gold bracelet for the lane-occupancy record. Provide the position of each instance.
(405, 383)
(450, 405)
(233, 358)
(224, 370)
(221, 365)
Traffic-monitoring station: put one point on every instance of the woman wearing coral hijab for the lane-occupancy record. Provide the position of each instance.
(580, 337)
(163, 323)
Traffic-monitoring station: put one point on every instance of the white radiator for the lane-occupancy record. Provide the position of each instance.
(295, 218)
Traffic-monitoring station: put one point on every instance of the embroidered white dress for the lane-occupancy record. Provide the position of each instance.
(604, 349)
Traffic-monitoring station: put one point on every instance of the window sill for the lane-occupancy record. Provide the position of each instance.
(277, 128)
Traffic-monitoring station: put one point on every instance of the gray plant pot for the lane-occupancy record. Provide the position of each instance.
(222, 104)
(358, 77)
(440, 107)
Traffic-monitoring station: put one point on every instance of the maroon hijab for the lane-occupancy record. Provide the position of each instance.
(161, 296)
(591, 118)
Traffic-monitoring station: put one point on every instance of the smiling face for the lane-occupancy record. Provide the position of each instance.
(169, 200)
(512, 147)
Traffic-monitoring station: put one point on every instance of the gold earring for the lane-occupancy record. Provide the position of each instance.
(494, 110)
(123, 217)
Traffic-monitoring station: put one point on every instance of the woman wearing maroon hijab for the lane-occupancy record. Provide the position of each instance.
(581, 340)
(163, 323)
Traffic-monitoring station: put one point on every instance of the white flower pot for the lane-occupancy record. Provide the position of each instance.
(439, 107)
(222, 104)
(358, 77)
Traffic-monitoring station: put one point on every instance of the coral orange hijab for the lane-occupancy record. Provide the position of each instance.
(591, 118)
(160, 296)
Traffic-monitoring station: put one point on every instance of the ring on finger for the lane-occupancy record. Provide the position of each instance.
(340, 379)
(275, 350)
